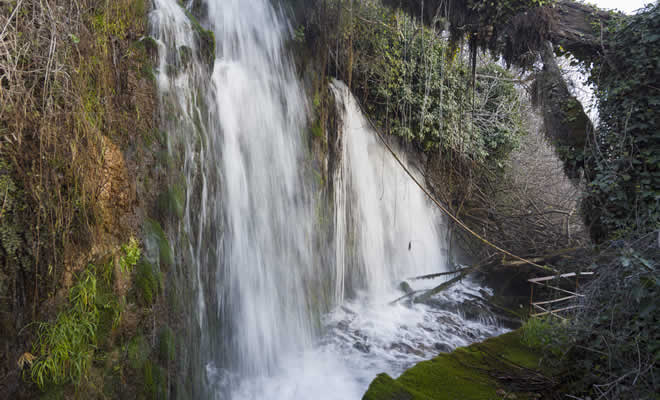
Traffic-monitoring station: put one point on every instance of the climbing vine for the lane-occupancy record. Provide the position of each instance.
(625, 153)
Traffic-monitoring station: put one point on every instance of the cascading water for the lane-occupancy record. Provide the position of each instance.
(386, 232)
(247, 262)
(392, 229)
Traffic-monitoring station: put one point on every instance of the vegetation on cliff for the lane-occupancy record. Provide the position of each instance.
(79, 173)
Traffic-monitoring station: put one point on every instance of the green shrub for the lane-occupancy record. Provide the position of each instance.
(541, 333)
(623, 166)
(616, 333)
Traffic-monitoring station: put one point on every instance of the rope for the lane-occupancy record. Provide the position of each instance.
(437, 203)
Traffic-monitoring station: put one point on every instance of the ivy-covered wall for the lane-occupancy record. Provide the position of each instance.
(624, 155)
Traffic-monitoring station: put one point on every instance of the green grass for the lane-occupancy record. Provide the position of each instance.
(66, 346)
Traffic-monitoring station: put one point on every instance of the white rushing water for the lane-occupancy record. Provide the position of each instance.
(248, 266)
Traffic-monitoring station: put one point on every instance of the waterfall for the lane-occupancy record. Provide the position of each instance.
(246, 263)
(393, 229)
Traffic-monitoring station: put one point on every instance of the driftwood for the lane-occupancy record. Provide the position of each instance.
(439, 274)
(443, 286)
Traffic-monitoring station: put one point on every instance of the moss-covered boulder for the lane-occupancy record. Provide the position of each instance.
(468, 373)
(157, 246)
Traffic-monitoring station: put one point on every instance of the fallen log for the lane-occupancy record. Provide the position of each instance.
(443, 286)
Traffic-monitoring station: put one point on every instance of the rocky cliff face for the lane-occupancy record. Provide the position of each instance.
(81, 168)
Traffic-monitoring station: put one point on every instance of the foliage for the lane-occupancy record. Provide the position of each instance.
(70, 83)
(624, 158)
(138, 351)
(157, 244)
(172, 202)
(66, 346)
(416, 87)
(155, 381)
(617, 332)
(131, 255)
(545, 334)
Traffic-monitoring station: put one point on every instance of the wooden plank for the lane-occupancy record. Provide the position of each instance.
(554, 311)
(540, 308)
(555, 301)
(565, 291)
(549, 278)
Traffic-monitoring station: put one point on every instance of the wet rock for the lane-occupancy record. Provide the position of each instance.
(342, 325)
(406, 349)
(443, 347)
(405, 287)
(362, 347)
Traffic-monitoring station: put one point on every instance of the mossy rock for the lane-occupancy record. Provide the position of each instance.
(155, 381)
(166, 345)
(172, 202)
(205, 40)
(464, 374)
(137, 352)
(148, 44)
(148, 282)
(156, 244)
(185, 55)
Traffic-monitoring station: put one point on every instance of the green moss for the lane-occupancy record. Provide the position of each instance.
(205, 39)
(172, 202)
(156, 241)
(384, 387)
(463, 374)
(137, 352)
(148, 282)
(155, 381)
(166, 345)
(185, 55)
